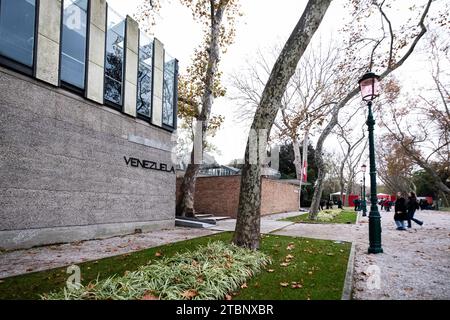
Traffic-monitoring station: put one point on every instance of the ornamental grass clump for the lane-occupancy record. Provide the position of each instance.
(209, 272)
(327, 215)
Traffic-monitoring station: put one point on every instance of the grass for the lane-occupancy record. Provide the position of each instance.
(327, 216)
(317, 267)
(445, 209)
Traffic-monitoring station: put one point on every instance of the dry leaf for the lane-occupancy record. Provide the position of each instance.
(289, 256)
(158, 254)
(290, 246)
(149, 296)
(270, 270)
(189, 294)
(284, 264)
(296, 286)
(228, 297)
(244, 285)
(284, 284)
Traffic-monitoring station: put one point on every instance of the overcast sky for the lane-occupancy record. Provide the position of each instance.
(264, 22)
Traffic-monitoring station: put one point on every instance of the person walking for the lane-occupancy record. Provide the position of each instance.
(412, 206)
(400, 214)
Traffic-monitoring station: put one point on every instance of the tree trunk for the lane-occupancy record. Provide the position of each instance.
(247, 233)
(297, 158)
(185, 207)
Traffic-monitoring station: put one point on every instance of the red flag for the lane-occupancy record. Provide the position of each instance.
(305, 172)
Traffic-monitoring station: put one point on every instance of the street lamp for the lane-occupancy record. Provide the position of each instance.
(370, 86)
(364, 207)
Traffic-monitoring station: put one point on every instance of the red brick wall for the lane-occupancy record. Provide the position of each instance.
(220, 196)
(278, 197)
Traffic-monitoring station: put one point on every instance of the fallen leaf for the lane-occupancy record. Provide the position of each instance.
(270, 270)
(290, 246)
(289, 256)
(244, 285)
(158, 254)
(149, 296)
(189, 294)
(90, 286)
(310, 272)
(284, 264)
(284, 284)
(296, 286)
(228, 297)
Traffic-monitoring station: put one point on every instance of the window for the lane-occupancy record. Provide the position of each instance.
(170, 66)
(73, 42)
(114, 60)
(145, 75)
(17, 32)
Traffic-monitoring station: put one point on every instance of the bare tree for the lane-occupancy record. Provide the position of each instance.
(387, 59)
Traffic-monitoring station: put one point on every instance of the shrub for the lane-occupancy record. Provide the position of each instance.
(209, 272)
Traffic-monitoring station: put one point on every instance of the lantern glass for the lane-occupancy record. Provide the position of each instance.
(370, 86)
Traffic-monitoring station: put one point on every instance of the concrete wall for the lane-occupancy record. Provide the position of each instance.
(220, 196)
(49, 30)
(96, 51)
(131, 66)
(62, 168)
(158, 82)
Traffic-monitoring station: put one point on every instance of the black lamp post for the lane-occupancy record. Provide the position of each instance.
(370, 85)
(364, 207)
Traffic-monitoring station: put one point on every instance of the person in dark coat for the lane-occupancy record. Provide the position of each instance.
(321, 204)
(400, 214)
(412, 205)
(339, 204)
(357, 203)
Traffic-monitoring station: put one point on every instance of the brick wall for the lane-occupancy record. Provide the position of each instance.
(220, 196)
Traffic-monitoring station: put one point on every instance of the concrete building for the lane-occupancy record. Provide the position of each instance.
(87, 112)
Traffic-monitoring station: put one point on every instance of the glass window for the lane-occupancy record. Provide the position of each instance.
(115, 36)
(144, 98)
(169, 90)
(17, 28)
(73, 42)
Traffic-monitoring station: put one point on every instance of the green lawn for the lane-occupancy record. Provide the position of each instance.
(317, 267)
(340, 216)
(444, 209)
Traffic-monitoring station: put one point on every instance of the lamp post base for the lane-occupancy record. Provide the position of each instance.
(375, 250)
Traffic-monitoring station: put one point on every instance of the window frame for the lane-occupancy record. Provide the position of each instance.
(138, 115)
(106, 102)
(175, 96)
(62, 83)
(17, 66)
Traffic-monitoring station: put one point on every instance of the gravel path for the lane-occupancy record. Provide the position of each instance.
(415, 263)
